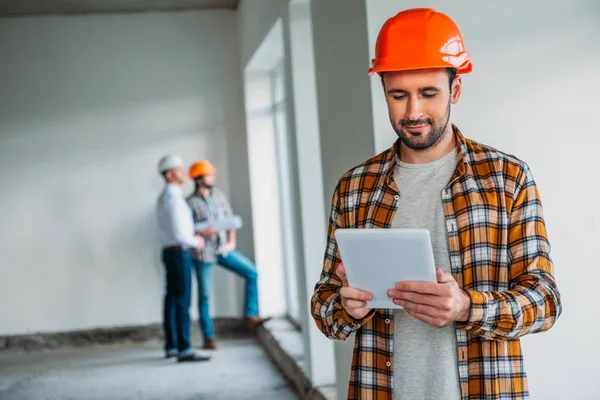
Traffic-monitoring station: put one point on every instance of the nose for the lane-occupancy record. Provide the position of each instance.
(414, 111)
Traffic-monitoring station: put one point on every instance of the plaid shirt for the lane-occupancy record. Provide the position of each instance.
(499, 253)
(210, 209)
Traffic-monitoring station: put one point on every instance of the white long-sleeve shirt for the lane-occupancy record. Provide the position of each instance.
(175, 222)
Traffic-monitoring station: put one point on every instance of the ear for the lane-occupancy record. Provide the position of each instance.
(456, 89)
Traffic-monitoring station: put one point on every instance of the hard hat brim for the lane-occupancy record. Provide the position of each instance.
(462, 64)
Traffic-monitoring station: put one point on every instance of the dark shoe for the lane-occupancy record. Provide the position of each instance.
(253, 322)
(171, 353)
(209, 344)
(192, 358)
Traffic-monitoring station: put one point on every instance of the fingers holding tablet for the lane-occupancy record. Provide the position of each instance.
(353, 300)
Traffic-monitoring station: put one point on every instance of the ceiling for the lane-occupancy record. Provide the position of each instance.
(20, 8)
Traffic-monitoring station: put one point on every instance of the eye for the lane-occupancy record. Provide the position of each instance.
(429, 94)
(399, 97)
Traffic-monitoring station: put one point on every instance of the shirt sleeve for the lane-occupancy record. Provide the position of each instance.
(327, 310)
(532, 304)
(179, 211)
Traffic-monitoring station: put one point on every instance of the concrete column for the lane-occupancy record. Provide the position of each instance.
(345, 109)
(309, 206)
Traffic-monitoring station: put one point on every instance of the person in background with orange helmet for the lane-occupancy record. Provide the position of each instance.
(210, 204)
(458, 338)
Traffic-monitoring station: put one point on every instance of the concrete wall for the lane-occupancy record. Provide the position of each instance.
(533, 93)
(345, 111)
(256, 17)
(345, 115)
(87, 106)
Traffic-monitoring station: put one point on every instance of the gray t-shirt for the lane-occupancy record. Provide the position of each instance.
(425, 358)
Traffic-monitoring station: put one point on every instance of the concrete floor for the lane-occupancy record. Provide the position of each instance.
(239, 370)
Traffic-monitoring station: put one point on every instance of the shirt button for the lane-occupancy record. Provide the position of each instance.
(389, 364)
(387, 321)
(396, 197)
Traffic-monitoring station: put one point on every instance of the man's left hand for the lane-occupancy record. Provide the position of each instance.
(436, 304)
(228, 248)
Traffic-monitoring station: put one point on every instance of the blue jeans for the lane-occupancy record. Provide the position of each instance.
(176, 318)
(235, 262)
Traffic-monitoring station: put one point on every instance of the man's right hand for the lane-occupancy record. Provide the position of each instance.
(354, 301)
(200, 243)
(208, 232)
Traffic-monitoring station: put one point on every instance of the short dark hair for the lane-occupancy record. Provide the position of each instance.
(197, 183)
(451, 75)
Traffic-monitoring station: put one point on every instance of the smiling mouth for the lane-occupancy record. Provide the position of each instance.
(416, 128)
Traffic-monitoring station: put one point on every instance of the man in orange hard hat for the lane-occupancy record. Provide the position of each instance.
(210, 204)
(457, 338)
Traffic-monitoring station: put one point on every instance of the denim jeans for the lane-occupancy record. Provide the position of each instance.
(176, 318)
(237, 263)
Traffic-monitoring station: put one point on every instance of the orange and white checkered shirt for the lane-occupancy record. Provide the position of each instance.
(499, 253)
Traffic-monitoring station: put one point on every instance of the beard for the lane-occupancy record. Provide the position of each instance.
(424, 140)
(200, 184)
(206, 185)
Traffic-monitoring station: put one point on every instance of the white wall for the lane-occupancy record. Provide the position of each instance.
(87, 106)
(534, 93)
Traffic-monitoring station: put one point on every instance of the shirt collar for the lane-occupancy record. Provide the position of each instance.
(171, 187)
(199, 194)
(463, 166)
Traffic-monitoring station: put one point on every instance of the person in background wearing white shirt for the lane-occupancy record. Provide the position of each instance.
(177, 237)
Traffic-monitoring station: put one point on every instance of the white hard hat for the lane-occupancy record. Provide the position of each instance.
(169, 162)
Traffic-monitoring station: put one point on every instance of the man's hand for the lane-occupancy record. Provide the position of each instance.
(353, 300)
(208, 232)
(200, 243)
(436, 304)
(228, 248)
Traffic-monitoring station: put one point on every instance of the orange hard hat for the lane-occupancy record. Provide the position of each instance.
(420, 38)
(202, 168)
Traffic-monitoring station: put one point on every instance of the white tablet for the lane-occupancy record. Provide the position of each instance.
(225, 224)
(375, 259)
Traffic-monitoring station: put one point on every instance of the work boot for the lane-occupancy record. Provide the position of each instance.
(209, 344)
(253, 322)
